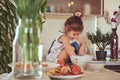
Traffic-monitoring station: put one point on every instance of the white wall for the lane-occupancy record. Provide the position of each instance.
(110, 6)
(55, 23)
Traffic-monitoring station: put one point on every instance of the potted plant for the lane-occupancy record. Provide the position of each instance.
(8, 20)
(101, 40)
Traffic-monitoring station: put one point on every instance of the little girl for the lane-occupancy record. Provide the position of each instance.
(69, 43)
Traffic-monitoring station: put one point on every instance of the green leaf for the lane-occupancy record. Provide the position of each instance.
(100, 39)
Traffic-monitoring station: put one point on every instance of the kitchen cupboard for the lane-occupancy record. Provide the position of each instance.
(87, 7)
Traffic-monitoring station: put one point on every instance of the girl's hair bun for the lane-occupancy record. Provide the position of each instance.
(78, 14)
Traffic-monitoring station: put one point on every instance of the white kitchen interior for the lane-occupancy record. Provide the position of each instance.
(82, 67)
(55, 23)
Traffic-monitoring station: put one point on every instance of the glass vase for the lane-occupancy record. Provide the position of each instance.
(27, 50)
(114, 45)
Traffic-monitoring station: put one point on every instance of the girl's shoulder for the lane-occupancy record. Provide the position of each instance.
(59, 37)
(63, 38)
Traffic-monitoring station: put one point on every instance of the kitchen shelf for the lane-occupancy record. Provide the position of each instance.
(85, 6)
(61, 15)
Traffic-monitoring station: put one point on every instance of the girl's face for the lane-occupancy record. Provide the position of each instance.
(73, 34)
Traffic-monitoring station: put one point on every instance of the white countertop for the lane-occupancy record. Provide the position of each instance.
(44, 77)
(105, 74)
(112, 62)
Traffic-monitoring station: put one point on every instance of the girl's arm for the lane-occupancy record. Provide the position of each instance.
(82, 46)
(69, 49)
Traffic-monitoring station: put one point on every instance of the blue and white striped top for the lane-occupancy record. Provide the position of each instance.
(56, 48)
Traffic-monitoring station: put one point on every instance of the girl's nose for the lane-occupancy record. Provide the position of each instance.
(76, 36)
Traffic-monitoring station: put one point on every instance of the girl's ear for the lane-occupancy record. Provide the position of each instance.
(66, 29)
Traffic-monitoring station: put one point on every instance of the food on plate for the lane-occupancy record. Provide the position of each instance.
(75, 69)
(61, 62)
(52, 71)
(66, 70)
(44, 65)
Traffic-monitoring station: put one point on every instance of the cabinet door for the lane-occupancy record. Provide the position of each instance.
(87, 7)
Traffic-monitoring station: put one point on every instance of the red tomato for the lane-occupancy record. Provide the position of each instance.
(61, 62)
(75, 70)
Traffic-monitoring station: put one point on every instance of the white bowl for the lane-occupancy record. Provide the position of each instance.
(96, 66)
(81, 60)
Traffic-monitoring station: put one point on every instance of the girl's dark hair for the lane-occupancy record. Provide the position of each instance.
(74, 23)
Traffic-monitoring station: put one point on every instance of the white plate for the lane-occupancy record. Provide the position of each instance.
(66, 77)
(49, 65)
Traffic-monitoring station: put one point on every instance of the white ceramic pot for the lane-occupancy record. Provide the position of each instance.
(96, 66)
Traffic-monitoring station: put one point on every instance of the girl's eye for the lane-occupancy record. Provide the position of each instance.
(75, 34)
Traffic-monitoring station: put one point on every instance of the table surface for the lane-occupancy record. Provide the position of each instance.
(105, 74)
(44, 77)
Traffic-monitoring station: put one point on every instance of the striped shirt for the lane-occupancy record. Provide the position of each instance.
(56, 48)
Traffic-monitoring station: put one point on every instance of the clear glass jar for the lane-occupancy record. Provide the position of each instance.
(27, 50)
